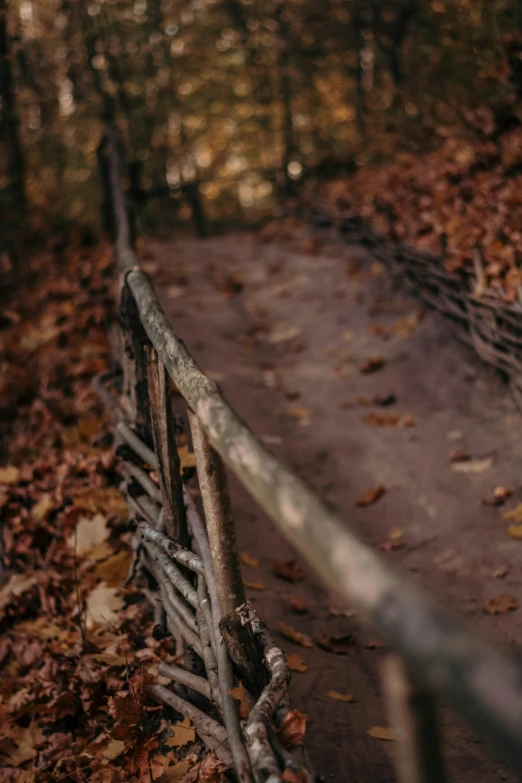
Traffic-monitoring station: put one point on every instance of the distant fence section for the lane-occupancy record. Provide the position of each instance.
(192, 563)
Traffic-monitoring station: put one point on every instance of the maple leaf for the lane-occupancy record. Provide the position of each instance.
(294, 636)
(103, 604)
(89, 534)
(21, 744)
(339, 645)
(370, 496)
(115, 569)
(502, 604)
(293, 728)
(183, 733)
(289, 570)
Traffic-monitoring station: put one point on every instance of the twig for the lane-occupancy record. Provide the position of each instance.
(137, 445)
(199, 684)
(144, 507)
(174, 618)
(173, 573)
(143, 479)
(113, 409)
(188, 559)
(171, 595)
(201, 721)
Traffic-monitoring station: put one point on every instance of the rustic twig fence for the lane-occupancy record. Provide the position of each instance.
(193, 576)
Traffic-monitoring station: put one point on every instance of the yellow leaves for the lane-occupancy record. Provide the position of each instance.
(183, 733)
(187, 459)
(238, 693)
(296, 663)
(90, 533)
(294, 636)
(9, 474)
(382, 733)
(42, 508)
(501, 605)
(103, 605)
(346, 697)
(248, 560)
(115, 569)
(370, 496)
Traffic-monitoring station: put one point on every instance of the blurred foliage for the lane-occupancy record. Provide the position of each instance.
(247, 99)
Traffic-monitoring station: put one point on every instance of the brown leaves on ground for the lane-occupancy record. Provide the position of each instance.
(289, 570)
(500, 495)
(382, 733)
(392, 419)
(346, 697)
(298, 605)
(339, 645)
(239, 694)
(501, 604)
(370, 496)
(293, 729)
(248, 560)
(371, 365)
(295, 636)
(296, 663)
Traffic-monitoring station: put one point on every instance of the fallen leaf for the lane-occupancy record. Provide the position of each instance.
(299, 413)
(115, 569)
(255, 585)
(389, 546)
(17, 584)
(347, 697)
(396, 534)
(500, 495)
(176, 773)
(378, 419)
(114, 749)
(339, 645)
(514, 531)
(9, 474)
(89, 427)
(294, 636)
(501, 572)
(183, 733)
(382, 733)
(21, 744)
(89, 533)
(293, 728)
(502, 604)
(248, 560)
(238, 693)
(473, 465)
(289, 570)
(295, 776)
(370, 496)
(298, 605)
(282, 333)
(296, 663)
(187, 458)
(459, 455)
(373, 364)
(381, 401)
(42, 508)
(105, 500)
(515, 514)
(103, 605)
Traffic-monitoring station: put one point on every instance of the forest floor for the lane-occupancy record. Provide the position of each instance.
(399, 427)
(360, 392)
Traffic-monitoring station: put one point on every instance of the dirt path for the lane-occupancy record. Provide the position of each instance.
(285, 333)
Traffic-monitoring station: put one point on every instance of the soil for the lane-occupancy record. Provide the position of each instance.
(285, 328)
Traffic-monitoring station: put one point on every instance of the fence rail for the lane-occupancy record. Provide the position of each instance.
(434, 655)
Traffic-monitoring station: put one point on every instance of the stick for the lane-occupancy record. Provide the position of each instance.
(174, 575)
(137, 445)
(201, 721)
(165, 447)
(190, 637)
(143, 479)
(413, 716)
(183, 556)
(199, 684)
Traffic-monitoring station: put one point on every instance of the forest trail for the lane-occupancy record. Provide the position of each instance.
(296, 332)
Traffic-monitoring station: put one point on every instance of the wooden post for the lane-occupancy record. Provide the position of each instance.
(135, 391)
(239, 639)
(163, 431)
(413, 716)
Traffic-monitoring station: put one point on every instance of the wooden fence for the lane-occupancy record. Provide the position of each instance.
(199, 596)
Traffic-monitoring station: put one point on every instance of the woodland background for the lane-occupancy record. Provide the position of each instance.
(233, 103)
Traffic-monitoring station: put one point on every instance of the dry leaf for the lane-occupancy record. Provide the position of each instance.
(515, 531)
(103, 605)
(17, 584)
(373, 364)
(187, 459)
(282, 333)
(9, 474)
(459, 455)
(292, 776)
(515, 514)
(21, 744)
(114, 749)
(381, 401)
(248, 560)
(299, 413)
(296, 663)
(88, 428)
(339, 645)
(396, 534)
(105, 500)
(293, 728)
(502, 604)
(294, 636)
(238, 693)
(501, 572)
(473, 465)
(347, 697)
(115, 569)
(89, 533)
(41, 509)
(255, 585)
(382, 733)
(289, 570)
(370, 496)
(176, 773)
(500, 495)
(298, 605)
(183, 733)
(378, 419)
